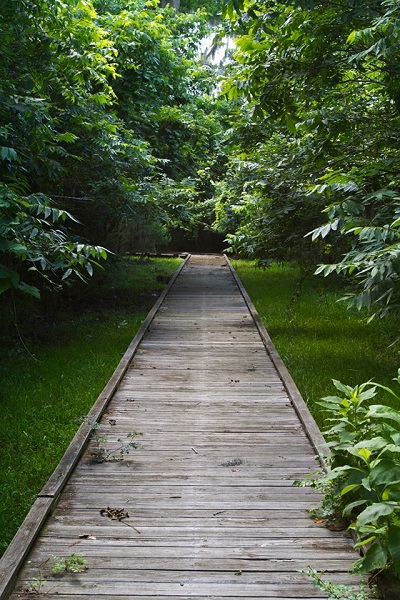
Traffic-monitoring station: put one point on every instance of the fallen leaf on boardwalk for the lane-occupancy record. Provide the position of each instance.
(86, 536)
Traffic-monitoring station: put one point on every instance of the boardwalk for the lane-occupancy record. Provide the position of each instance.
(212, 510)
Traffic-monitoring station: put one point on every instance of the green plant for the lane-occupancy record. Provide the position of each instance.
(365, 473)
(75, 563)
(330, 510)
(102, 454)
(338, 591)
(35, 586)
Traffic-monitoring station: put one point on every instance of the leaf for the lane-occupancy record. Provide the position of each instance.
(383, 412)
(364, 453)
(342, 387)
(29, 289)
(351, 38)
(66, 137)
(348, 509)
(366, 541)
(349, 488)
(375, 558)
(374, 512)
(67, 273)
(384, 473)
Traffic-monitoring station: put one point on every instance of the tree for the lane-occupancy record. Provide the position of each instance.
(107, 116)
(46, 81)
(323, 76)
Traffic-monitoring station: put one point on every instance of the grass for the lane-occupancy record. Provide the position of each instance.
(55, 366)
(318, 338)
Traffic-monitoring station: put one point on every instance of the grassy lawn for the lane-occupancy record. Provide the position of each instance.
(317, 337)
(55, 366)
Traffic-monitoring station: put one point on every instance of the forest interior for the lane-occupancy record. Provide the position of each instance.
(265, 129)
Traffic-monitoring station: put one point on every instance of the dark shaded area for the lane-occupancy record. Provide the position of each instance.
(203, 241)
(120, 285)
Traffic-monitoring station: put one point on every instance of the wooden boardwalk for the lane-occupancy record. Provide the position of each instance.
(212, 509)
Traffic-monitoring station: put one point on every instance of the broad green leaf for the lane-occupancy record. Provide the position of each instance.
(342, 387)
(349, 488)
(378, 411)
(375, 558)
(372, 513)
(349, 507)
(385, 472)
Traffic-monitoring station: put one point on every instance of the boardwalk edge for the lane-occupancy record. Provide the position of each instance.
(13, 557)
(303, 412)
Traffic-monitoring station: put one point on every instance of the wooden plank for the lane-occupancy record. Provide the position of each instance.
(196, 548)
(132, 595)
(123, 573)
(184, 588)
(277, 566)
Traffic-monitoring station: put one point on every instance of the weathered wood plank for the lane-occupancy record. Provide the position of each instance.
(132, 595)
(185, 588)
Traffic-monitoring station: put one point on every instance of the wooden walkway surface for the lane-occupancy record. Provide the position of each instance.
(212, 509)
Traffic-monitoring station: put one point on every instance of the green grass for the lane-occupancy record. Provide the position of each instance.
(70, 347)
(318, 338)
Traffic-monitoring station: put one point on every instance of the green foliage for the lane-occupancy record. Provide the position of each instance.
(102, 453)
(365, 471)
(103, 109)
(337, 591)
(322, 79)
(75, 563)
(28, 235)
(36, 585)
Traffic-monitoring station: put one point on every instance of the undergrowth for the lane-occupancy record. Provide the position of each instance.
(54, 363)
